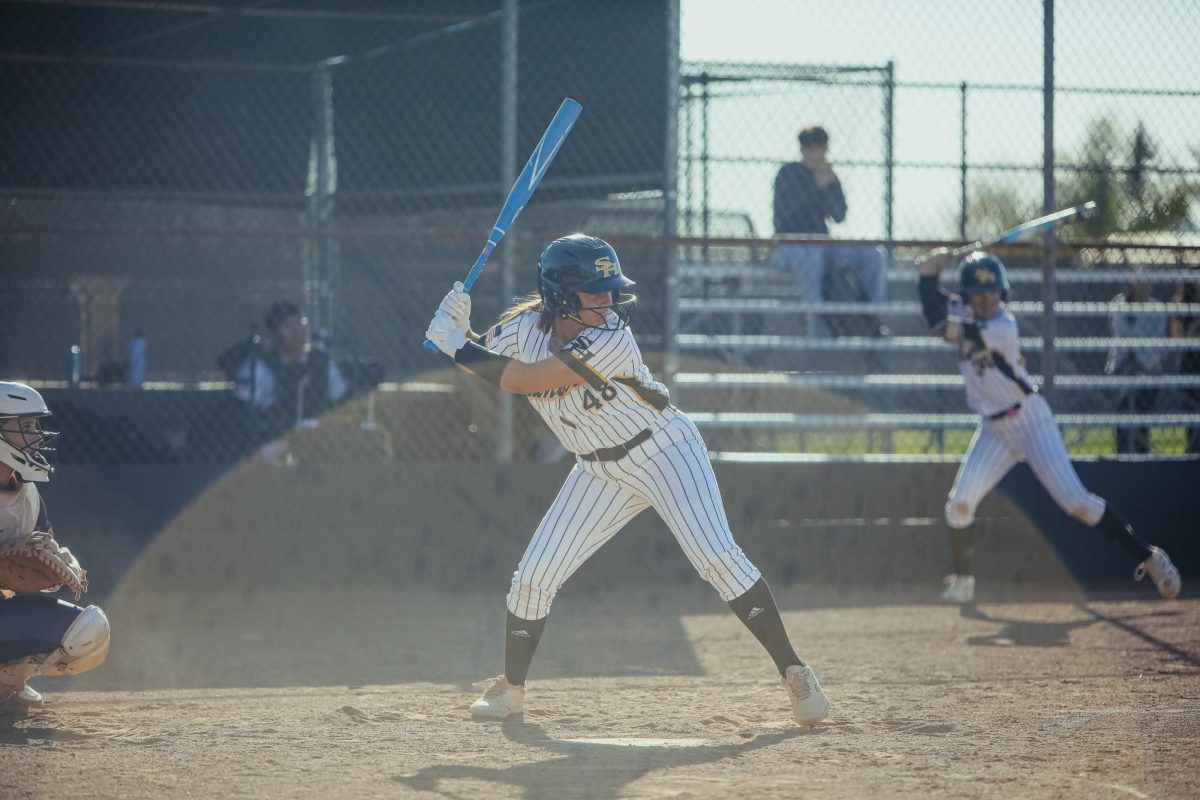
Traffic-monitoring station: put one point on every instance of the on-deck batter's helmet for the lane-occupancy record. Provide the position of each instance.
(582, 263)
(26, 451)
(982, 272)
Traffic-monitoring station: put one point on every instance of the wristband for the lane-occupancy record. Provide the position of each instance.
(485, 363)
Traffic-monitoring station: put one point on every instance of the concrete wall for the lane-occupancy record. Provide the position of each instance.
(261, 527)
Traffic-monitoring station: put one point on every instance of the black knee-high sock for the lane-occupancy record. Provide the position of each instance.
(758, 612)
(962, 547)
(521, 638)
(1122, 533)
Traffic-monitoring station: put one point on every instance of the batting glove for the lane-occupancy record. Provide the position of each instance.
(958, 311)
(457, 303)
(445, 333)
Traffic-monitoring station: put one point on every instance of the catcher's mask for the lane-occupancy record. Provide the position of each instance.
(23, 445)
(982, 272)
(582, 263)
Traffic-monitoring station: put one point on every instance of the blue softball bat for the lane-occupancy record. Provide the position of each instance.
(1083, 211)
(522, 190)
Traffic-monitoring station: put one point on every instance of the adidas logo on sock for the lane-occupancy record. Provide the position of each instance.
(754, 612)
(524, 634)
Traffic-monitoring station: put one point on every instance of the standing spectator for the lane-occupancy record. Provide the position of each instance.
(807, 194)
(290, 381)
(1188, 326)
(1134, 361)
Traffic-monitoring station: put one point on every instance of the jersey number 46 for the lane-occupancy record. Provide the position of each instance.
(590, 401)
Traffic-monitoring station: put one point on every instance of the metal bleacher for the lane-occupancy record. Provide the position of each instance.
(759, 383)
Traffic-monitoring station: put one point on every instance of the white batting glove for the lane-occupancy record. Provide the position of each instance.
(445, 333)
(958, 311)
(954, 308)
(457, 303)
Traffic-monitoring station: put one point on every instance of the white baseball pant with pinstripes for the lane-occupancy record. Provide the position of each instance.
(998, 445)
(670, 473)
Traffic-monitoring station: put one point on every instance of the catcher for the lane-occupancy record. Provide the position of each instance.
(38, 633)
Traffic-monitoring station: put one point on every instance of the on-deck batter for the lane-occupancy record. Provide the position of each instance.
(569, 349)
(1015, 421)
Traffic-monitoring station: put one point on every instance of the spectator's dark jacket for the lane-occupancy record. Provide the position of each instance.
(801, 207)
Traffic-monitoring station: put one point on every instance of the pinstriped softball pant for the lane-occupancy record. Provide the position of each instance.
(670, 473)
(1030, 434)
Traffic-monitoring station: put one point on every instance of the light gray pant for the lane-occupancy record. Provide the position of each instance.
(670, 473)
(1030, 435)
(808, 264)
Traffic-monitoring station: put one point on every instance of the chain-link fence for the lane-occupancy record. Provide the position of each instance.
(936, 128)
(174, 172)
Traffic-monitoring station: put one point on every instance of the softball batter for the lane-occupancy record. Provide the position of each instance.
(1016, 423)
(569, 350)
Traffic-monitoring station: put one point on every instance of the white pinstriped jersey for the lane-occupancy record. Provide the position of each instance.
(989, 389)
(619, 400)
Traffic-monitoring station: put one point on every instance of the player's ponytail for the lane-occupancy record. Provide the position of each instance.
(530, 302)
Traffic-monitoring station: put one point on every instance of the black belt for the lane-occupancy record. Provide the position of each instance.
(1008, 412)
(620, 451)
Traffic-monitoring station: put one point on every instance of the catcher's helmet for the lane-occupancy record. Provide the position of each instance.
(982, 272)
(24, 447)
(582, 263)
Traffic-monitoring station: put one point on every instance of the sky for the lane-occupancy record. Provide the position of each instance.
(1145, 46)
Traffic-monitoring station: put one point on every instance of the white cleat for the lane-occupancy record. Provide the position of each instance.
(25, 698)
(809, 703)
(1162, 571)
(959, 589)
(500, 699)
(29, 697)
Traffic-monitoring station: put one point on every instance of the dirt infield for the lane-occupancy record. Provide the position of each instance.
(309, 695)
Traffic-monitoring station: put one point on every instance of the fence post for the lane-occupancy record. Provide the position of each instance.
(671, 199)
(1049, 241)
(889, 128)
(704, 207)
(322, 261)
(508, 174)
(962, 160)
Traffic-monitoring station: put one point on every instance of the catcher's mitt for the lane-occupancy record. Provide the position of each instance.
(37, 564)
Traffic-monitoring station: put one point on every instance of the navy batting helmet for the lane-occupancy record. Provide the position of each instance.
(982, 272)
(582, 263)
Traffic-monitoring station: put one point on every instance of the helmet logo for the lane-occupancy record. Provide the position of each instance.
(605, 266)
(985, 275)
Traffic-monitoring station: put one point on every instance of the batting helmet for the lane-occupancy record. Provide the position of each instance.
(982, 272)
(582, 263)
(23, 447)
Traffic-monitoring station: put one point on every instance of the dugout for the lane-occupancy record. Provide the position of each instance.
(200, 162)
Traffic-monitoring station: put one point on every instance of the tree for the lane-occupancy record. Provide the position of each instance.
(993, 208)
(1117, 171)
(1132, 195)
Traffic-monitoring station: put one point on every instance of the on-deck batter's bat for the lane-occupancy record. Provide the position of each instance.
(523, 189)
(1084, 211)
